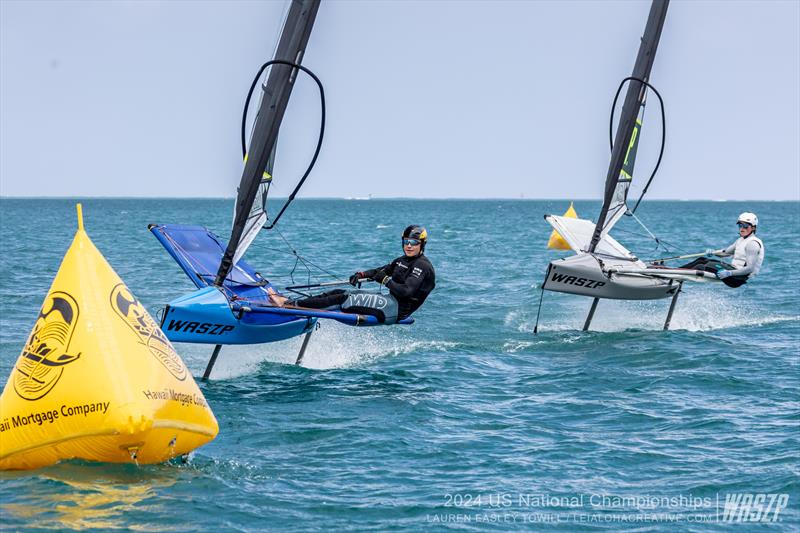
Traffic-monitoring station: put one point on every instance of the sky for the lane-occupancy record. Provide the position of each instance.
(425, 99)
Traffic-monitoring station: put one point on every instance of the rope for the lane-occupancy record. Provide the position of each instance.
(650, 233)
(663, 131)
(659, 242)
(227, 258)
(300, 259)
(272, 223)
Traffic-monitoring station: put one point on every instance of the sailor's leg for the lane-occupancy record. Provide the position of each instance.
(697, 264)
(708, 265)
(276, 299)
(672, 306)
(211, 361)
(322, 301)
(591, 314)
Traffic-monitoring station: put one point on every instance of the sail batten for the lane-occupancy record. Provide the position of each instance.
(620, 169)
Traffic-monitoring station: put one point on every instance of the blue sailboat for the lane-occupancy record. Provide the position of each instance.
(231, 304)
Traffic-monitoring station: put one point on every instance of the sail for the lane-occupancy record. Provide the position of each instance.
(618, 179)
(258, 211)
(275, 98)
(618, 206)
(577, 233)
(556, 241)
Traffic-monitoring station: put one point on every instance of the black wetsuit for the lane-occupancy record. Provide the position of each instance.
(412, 279)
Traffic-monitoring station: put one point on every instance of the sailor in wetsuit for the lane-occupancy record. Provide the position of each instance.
(409, 278)
(747, 252)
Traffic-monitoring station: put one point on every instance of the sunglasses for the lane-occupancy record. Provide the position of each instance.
(411, 242)
(744, 225)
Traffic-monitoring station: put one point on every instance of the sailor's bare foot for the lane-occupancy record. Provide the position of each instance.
(276, 299)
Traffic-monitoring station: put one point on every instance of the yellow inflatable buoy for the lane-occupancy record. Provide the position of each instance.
(97, 378)
(556, 241)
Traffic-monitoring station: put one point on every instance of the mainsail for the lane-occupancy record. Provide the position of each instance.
(618, 206)
(258, 211)
(620, 169)
(254, 182)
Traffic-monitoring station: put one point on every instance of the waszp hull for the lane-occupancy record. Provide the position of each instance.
(583, 274)
(205, 317)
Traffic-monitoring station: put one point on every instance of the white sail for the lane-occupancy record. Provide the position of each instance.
(618, 206)
(255, 220)
(577, 232)
(258, 212)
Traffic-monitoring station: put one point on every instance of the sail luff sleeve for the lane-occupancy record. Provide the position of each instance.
(291, 47)
(630, 110)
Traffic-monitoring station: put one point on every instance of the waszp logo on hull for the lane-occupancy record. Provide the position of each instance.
(578, 282)
(202, 328)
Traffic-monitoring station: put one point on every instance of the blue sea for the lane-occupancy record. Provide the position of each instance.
(466, 420)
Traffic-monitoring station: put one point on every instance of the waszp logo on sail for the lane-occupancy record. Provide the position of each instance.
(752, 506)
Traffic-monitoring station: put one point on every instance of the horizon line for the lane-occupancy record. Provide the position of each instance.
(364, 199)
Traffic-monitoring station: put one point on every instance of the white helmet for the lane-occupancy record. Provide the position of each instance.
(749, 218)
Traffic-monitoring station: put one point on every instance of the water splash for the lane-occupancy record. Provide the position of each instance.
(331, 346)
(696, 311)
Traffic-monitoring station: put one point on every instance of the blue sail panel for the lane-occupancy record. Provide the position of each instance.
(199, 252)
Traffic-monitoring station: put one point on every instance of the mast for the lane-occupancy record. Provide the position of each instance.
(617, 180)
(291, 47)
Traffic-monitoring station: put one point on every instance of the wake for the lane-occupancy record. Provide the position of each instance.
(695, 311)
(331, 346)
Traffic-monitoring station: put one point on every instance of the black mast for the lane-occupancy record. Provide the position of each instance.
(634, 98)
(277, 90)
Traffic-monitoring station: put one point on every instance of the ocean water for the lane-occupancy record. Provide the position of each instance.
(465, 420)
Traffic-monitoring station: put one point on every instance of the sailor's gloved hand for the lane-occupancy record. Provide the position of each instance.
(710, 252)
(355, 277)
(380, 276)
(722, 274)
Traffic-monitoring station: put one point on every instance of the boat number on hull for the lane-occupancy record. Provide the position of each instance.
(203, 328)
(578, 282)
